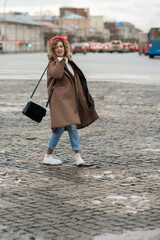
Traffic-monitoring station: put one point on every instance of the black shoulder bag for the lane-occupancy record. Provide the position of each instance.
(33, 110)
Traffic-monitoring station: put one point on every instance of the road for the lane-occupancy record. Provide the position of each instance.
(116, 195)
(129, 68)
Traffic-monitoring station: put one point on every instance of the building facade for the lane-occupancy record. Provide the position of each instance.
(84, 12)
(19, 33)
(78, 19)
(97, 29)
(122, 31)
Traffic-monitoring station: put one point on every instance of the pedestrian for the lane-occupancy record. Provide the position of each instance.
(71, 105)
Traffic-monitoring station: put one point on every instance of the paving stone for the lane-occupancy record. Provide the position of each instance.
(118, 190)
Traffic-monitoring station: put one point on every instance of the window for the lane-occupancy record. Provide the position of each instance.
(155, 34)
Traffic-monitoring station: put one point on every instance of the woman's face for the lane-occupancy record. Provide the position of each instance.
(59, 49)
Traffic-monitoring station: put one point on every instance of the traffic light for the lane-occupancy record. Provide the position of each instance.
(29, 45)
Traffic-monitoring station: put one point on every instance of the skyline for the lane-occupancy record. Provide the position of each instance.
(143, 14)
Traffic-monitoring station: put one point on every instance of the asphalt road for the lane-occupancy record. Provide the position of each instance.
(117, 67)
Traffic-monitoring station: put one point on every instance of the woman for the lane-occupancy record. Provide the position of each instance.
(71, 105)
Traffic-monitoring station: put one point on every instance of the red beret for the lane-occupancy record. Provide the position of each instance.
(57, 37)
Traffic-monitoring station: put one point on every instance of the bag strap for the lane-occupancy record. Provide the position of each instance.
(50, 94)
(40, 79)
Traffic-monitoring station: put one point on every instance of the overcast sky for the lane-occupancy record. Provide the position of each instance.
(144, 14)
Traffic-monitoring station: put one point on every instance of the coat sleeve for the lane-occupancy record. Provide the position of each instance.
(56, 69)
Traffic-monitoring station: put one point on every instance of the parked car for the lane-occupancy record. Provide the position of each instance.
(87, 46)
(100, 47)
(116, 46)
(106, 47)
(92, 47)
(126, 47)
(79, 48)
(132, 47)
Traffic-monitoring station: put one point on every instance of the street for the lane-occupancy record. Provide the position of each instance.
(126, 67)
(116, 196)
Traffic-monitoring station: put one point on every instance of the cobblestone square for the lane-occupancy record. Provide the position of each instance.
(119, 188)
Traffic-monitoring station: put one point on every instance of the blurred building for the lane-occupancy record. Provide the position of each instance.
(46, 18)
(51, 29)
(78, 19)
(86, 27)
(110, 26)
(84, 12)
(136, 32)
(126, 31)
(97, 30)
(19, 33)
(122, 31)
(72, 22)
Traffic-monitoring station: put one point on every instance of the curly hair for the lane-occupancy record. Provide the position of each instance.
(51, 54)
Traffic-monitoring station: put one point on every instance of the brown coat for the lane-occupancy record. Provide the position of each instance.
(63, 107)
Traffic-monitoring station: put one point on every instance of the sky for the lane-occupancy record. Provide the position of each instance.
(144, 14)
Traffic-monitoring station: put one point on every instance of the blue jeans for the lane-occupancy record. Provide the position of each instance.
(73, 134)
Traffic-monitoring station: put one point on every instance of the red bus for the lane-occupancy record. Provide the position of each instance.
(143, 41)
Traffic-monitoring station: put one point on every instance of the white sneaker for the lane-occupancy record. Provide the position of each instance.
(51, 160)
(79, 160)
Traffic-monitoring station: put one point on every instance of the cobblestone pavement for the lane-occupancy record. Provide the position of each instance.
(117, 191)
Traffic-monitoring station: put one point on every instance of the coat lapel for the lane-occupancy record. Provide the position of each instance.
(83, 81)
(66, 73)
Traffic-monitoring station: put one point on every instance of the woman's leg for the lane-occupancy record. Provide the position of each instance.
(74, 140)
(54, 139)
(48, 158)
